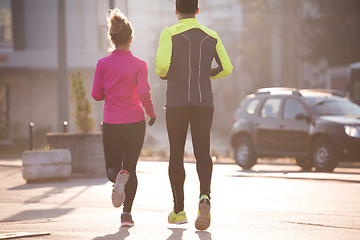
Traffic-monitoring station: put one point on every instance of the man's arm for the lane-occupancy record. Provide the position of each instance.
(222, 59)
(163, 56)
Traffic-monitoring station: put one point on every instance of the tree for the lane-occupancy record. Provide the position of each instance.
(82, 111)
(255, 43)
(332, 31)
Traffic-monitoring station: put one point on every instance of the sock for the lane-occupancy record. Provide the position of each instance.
(178, 210)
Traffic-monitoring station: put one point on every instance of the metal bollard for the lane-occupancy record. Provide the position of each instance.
(31, 126)
(65, 125)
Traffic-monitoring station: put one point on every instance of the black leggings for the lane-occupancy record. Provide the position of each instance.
(122, 147)
(177, 121)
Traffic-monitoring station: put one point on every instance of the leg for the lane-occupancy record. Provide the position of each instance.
(177, 122)
(201, 121)
(113, 150)
(134, 139)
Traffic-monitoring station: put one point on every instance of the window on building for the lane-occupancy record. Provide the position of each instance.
(5, 24)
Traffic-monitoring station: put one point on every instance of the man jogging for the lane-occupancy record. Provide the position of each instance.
(186, 51)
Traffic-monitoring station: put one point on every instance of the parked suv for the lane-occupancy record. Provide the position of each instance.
(316, 127)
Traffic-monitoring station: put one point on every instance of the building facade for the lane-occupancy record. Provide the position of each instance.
(43, 41)
(37, 40)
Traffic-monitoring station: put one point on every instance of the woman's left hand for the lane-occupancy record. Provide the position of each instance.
(152, 121)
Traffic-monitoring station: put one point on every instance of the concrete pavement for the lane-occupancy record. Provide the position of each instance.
(275, 201)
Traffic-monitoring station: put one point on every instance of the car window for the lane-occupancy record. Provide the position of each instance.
(337, 108)
(271, 108)
(251, 107)
(333, 107)
(292, 109)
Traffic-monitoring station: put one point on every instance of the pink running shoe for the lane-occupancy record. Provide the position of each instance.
(118, 192)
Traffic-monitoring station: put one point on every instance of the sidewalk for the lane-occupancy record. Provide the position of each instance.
(80, 208)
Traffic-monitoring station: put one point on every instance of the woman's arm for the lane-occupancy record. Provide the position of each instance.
(144, 91)
(97, 89)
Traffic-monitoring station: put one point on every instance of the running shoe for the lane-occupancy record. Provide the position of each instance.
(118, 192)
(179, 218)
(204, 217)
(126, 220)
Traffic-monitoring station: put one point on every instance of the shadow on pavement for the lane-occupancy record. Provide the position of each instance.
(38, 214)
(176, 234)
(56, 188)
(120, 235)
(350, 177)
(70, 183)
(204, 235)
(299, 171)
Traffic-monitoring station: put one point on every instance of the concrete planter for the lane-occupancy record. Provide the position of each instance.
(87, 154)
(46, 165)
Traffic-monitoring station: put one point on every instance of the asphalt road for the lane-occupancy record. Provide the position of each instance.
(274, 201)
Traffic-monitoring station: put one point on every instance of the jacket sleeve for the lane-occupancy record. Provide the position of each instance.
(97, 88)
(164, 52)
(222, 59)
(143, 90)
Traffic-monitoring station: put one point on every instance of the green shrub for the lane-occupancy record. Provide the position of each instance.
(82, 111)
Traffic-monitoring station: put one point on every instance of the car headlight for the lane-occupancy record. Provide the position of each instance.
(352, 131)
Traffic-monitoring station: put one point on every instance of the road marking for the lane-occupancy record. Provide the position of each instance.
(21, 234)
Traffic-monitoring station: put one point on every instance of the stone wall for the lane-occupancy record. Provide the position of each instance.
(87, 154)
(46, 165)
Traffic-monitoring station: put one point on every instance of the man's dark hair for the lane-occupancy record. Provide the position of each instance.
(187, 6)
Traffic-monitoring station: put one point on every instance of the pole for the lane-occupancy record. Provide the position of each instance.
(62, 78)
(65, 124)
(126, 9)
(112, 4)
(31, 126)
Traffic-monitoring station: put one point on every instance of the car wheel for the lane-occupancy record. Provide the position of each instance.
(323, 156)
(304, 163)
(245, 155)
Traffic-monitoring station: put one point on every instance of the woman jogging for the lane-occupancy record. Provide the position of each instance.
(121, 80)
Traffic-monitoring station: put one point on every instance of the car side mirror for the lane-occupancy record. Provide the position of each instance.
(302, 116)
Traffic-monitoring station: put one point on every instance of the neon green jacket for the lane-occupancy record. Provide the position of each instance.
(186, 51)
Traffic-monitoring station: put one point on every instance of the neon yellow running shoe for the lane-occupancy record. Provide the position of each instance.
(179, 218)
(204, 216)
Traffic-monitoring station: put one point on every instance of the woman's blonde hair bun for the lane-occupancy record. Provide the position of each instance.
(120, 29)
